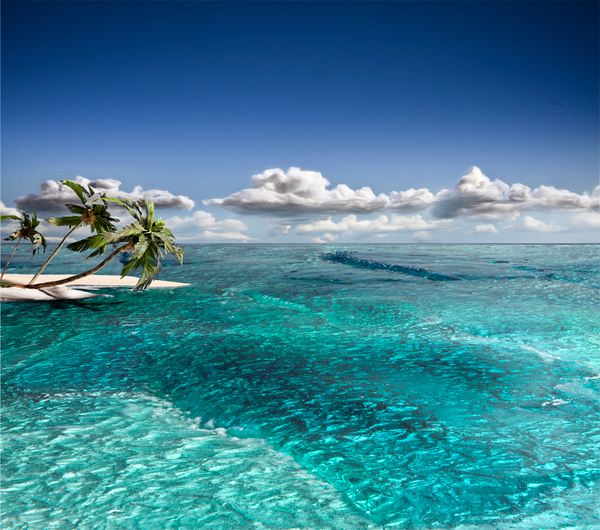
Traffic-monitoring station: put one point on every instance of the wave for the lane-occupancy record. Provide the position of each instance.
(346, 258)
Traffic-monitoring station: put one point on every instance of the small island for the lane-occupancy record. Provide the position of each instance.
(144, 242)
(75, 290)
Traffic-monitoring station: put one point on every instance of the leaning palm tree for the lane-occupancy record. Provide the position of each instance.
(92, 212)
(145, 239)
(26, 230)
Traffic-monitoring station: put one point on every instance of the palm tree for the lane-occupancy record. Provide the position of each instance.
(92, 213)
(146, 239)
(27, 230)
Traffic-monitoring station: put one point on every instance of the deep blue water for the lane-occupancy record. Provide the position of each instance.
(296, 387)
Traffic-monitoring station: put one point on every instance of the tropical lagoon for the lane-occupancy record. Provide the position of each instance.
(310, 387)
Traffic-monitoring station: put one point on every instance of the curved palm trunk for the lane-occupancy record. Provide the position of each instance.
(53, 254)
(11, 255)
(77, 276)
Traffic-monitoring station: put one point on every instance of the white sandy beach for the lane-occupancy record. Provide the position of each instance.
(67, 292)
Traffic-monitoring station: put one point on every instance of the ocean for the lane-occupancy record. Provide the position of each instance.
(311, 387)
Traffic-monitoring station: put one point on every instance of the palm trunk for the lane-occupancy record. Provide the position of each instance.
(77, 276)
(11, 255)
(53, 254)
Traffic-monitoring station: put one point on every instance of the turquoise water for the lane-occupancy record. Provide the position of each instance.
(297, 387)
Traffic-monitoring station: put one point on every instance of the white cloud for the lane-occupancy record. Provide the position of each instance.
(535, 225)
(326, 238)
(58, 239)
(352, 227)
(595, 202)
(518, 193)
(5, 210)
(422, 237)
(411, 199)
(298, 193)
(586, 221)
(486, 229)
(278, 229)
(550, 198)
(277, 192)
(202, 219)
(229, 229)
(214, 236)
(209, 234)
(53, 195)
(474, 195)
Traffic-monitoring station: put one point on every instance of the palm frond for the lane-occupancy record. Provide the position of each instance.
(148, 238)
(27, 230)
(37, 240)
(64, 221)
(78, 189)
(87, 243)
(95, 199)
(149, 207)
(76, 209)
(13, 236)
(125, 203)
(150, 263)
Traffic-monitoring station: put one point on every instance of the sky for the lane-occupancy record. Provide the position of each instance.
(297, 122)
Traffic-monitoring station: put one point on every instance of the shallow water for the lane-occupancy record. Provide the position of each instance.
(299, 387)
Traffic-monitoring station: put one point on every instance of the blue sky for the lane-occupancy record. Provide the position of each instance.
(189, 100)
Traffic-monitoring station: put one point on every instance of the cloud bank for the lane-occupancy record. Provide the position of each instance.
(475, 195)
(53, 196)
(279, 193)
(276, 192)
(350, 226)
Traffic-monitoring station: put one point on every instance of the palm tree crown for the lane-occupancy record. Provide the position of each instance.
(146, 239)
(27, 230)
(92, 212)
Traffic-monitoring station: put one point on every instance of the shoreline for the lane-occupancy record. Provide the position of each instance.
(66, 292)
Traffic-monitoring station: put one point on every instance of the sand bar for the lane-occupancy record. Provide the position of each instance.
(66, 292)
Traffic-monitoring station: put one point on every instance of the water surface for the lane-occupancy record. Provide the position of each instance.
(307, 387)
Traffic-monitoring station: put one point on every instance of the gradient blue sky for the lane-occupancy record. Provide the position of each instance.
(197, 97)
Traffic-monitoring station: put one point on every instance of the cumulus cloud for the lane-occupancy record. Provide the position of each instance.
(202, 219)
(380, 227)
(325, 238)
(586, 221)
(595, 201)
(5, 210)
(278, 229)
(486, 229)
(535, 225)
(411, 199)
(297, 192)
(475, 195)
(205, 226)
(550, 198)
(53, 195)
(278, 192)
(422, 237)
